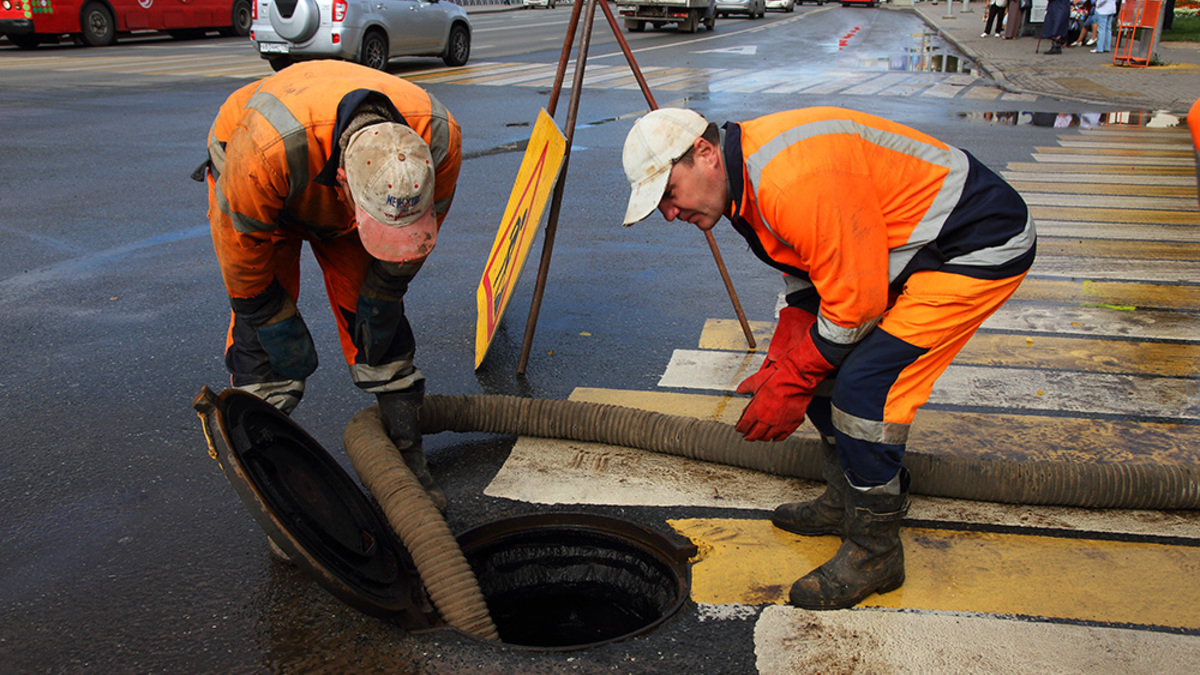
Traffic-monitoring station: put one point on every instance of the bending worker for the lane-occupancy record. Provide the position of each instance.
(362, 165)
(894, 248)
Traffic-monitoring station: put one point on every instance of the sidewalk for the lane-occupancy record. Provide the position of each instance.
(1076, 74)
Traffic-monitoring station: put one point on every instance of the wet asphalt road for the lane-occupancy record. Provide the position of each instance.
(122, 546)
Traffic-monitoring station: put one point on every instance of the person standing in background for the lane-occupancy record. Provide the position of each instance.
(1104, 13)
(996, 9)
(1016, 18)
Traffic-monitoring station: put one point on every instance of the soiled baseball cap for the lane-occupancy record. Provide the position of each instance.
(389, 173)
(656, 141)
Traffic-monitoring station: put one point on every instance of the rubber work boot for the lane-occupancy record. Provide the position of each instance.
(871, 558)
(401, 411)
(825, 514)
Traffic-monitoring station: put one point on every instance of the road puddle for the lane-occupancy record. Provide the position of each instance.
(1154, 119)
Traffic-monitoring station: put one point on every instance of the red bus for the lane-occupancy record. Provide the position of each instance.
(28, 23)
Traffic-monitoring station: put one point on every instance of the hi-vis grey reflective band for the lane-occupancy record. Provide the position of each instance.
(793, 284)
(439, 144)
(295, 145)
(870, 431)
(931, 224)
(829, 330)
(394, 376)
(294, 137)
(1018, 245)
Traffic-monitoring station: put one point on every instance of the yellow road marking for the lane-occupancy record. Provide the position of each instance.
(1113, 152)
(1122, 169)
(1034, 187)
(1115, 215)
(752, 562)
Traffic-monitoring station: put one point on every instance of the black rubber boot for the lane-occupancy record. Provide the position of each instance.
(871, 558)
(825, 514)
(401, 411)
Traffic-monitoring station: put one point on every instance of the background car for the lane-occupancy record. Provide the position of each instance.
(369, 32)
(782, 5)
(548, 4)
(751, 8)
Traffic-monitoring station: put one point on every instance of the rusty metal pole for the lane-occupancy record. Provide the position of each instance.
(637, 72)
(572, 25)
(556, 202)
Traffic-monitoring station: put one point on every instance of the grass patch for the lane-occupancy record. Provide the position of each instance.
(1184, 28)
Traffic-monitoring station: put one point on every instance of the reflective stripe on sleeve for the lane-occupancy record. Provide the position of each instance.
(294, 137)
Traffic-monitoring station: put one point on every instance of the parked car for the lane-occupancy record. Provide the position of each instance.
(369, 32)
(819, 2)
(548, 4)
(751, 8)
(783, 5)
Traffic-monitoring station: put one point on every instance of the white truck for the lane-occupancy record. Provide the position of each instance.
(688, 14)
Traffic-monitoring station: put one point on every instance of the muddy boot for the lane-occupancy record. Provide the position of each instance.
(870, 560)
(825, 514)
(401, 415)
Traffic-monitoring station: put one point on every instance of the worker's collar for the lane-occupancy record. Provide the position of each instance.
(348, 108)
(731, 157)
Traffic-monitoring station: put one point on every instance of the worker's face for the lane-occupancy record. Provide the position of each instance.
(697, 191)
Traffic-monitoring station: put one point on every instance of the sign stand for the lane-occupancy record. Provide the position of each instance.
(1137, 28)
(572, 112)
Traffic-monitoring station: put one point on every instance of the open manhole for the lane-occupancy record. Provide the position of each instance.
(551, 581)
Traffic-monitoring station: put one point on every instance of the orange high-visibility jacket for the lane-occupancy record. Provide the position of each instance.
(849, 205)
(273, 155)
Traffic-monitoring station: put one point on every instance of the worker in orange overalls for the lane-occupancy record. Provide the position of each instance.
(894, 248)
(362, 165)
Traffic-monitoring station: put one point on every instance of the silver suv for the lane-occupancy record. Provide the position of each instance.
(365, 31)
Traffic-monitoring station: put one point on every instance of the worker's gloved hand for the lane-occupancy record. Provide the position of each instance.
(782, 398)
(794, 324)
(289, 347)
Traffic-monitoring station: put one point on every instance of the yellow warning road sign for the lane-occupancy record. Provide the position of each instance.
(526, 206)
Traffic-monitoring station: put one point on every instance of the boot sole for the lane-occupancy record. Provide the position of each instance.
(887, 586)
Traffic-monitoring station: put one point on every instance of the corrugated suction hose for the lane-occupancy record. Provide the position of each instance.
(439, 560)
(1009, 481)
(453, 586)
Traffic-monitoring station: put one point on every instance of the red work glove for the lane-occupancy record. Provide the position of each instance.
(794, 324)
(782, 398)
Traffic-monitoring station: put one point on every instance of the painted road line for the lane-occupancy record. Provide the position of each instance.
(1115, 215)
(473, 70)
(1109, 269)
(1117, 155)
(1117, 230)
(791, 640)
(1077, 579)
(1110, 294)
(1040, 175)
(1024, 320)
(1029, 187)
(1020, 349)
(1134, 248)
(1130, 169)
(984, 387)
(1092, 199)
(1183, 144)
(1123, 162)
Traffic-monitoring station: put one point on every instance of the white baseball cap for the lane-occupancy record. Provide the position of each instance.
(389, 172)
(656, 141)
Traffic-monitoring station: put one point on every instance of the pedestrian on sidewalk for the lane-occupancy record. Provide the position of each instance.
(1106, 11)
(894, 248)
(1016, 18)
(996, 9)
(1055, 25)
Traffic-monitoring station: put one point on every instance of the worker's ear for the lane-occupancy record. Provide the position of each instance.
(341, 177)
(706, 152)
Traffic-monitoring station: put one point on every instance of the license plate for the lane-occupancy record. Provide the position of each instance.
(273, 48)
